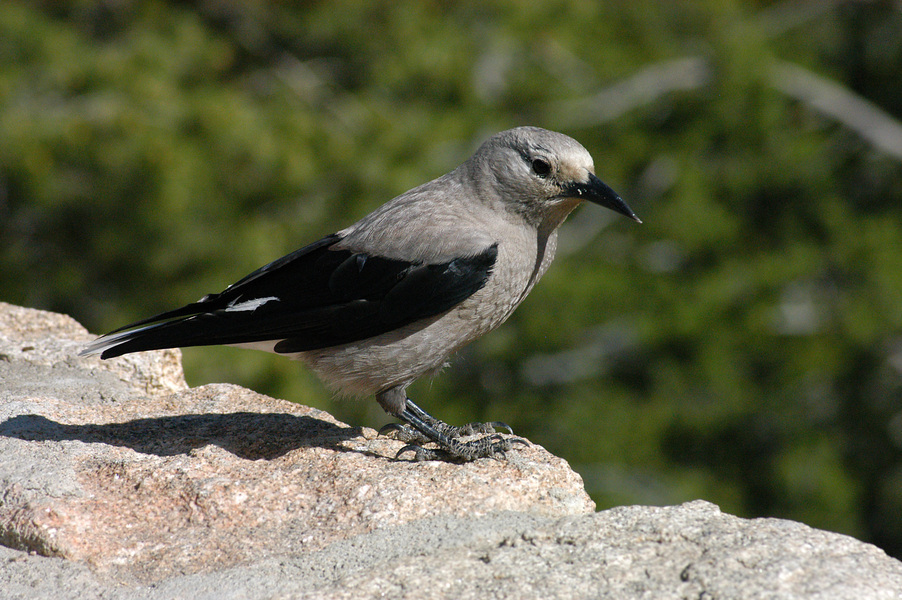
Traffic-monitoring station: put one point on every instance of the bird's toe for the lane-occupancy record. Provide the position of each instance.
(403, 433)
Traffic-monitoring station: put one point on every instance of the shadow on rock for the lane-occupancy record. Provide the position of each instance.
(247, 435)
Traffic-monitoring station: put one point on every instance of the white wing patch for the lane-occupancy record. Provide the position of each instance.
(235, 306)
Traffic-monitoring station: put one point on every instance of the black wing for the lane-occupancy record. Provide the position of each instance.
(315, 297)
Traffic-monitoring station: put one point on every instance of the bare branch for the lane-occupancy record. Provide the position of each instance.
(838, 102)
(644, 87)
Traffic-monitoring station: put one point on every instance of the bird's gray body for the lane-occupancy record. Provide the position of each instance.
(399, 357)
(474, 241)
(459, 214)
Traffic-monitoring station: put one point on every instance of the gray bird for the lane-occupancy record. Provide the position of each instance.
(375, 306)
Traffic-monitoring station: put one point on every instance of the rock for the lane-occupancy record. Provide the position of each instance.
(688, 551)
(30, 339)
(118, 481)
(120, 465)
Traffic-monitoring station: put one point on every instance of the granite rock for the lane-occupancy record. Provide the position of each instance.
(118, 481)
(118, 464)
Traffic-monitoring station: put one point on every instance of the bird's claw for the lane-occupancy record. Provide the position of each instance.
(390, 428)
(477, 428)
(502, 425)
(491, 446)
(420, 454)
(421, 428)
(394, 428)
(404, 433)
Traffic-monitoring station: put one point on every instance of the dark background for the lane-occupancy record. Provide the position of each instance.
(744, 345)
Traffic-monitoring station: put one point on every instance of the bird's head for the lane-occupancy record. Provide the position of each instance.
(543, 175)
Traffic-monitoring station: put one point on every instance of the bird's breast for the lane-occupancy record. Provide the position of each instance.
(523, 257)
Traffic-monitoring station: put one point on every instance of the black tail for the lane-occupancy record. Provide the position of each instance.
(154, 334)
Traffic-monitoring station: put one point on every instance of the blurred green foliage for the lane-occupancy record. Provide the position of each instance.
(744, 345)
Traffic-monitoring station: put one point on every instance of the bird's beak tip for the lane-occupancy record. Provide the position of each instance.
(601, 193)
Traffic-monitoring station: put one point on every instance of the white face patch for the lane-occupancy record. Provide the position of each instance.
(235, 306)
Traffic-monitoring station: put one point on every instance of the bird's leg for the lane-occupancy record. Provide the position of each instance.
(422, 428)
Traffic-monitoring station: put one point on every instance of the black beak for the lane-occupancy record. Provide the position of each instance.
(597, 191)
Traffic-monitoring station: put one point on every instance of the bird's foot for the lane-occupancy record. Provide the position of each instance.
(406, 433)
(490, 446)
(421, 428)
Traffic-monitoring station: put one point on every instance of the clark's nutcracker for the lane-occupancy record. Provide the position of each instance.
(375, 306)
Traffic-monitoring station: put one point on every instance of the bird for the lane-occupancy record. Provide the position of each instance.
(387, 300)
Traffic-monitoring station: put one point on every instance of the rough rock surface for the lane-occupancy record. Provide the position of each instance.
(130, 471)
(118, 481)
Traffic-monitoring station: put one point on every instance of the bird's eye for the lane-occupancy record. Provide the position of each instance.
(541, 168)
